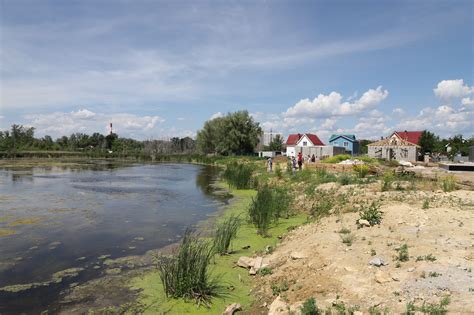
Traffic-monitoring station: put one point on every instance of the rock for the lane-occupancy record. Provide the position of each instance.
(103, 257)
(245, 262)
(363, 222)
(411, 269)
(278, 307)
(232, 308)
(376, 261)
(257, 263)
(298, 255)
(381, 277)
(252, 271)
(358, 313)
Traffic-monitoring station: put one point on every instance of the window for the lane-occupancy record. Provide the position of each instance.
(305, 143)
(346, 144)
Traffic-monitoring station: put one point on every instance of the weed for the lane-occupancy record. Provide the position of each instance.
(344, 179)
(449, 183)
(344, 231)
(265, 271)
(278, 171)
(428, 257)
(398, 265)
(281, 287)
(371, 213)
(387, 179)
(309, 307)
(403, 253)
(225, 232)
(361, 170)
(347, 239)
(435, 308)
(426, 204)
(434, 274)
(185, 274)
(336, 159)
(373, 252)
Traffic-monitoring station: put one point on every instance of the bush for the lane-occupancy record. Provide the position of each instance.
(185, 274)
(361, 170)
(403, 253)
(239, 175)
(371, 214)
(426, 204)
(449, 183)
(309, 307)
(278, 171)
(344, 179)
(281, 202)
(225, 232)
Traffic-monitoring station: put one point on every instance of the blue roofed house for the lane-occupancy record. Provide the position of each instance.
(346, 141)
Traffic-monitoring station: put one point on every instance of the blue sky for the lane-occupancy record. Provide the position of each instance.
(157, 69)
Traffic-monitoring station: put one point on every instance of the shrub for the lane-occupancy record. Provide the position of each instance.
(347, 239)
(281, 202)
(303, 175)
(344, 179)
(265, 271)
(309, 307)
(186, 274)
(403, 253)
(426, 204)
(225, 232)
(281, 287)
(238, 175)
(449, 183)
(371, 213)
(361, 170)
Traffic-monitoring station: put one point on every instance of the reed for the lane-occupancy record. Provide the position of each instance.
(225, 232)
(238, 175)
(186, 273)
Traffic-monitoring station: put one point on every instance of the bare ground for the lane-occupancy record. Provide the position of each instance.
(329, 270)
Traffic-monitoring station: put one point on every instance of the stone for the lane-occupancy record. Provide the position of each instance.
(298, 255)
(245, 262)
(257, 264)
(358, 313)
(411, 269)
(381, 277)
(232, 308)
(376, 261)
(252, 271)
(278, 307)
(363, 222)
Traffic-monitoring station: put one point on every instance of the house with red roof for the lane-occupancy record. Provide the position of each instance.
(400, 145)
(309, 144)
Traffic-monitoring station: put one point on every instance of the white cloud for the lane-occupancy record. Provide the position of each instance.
(331, 105)
(59, 124)
(216, 115)
(467, 101)
(448, 89)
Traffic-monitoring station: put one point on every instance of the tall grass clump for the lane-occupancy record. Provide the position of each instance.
(310, 307)
(268, 206)
(225, 232)
(261, 210)
(238, 175)
(186, 273)
(449, 183)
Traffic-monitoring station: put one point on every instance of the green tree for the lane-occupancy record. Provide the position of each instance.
(276, 144)
(428, 142)
(236, 133)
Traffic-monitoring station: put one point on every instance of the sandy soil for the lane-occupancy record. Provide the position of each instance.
(325, 268)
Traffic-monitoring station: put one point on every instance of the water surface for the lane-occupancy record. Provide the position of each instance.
(72, 216)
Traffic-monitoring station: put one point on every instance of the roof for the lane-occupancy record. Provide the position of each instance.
(349, 137)
(391, 142)
(294, 138)
(410, 136)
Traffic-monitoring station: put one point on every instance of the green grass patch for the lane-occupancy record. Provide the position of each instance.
(236, 280)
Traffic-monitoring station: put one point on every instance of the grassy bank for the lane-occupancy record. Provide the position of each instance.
(238, 282)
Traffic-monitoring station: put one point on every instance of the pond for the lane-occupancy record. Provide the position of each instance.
(59, 223)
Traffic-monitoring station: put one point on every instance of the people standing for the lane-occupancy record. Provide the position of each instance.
(293, 164)
(270, 164)
(313, 159)
(300, 161)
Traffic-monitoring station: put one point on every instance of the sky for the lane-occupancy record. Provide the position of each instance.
(158, 69)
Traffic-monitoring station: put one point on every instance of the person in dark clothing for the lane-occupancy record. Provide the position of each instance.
(313, 159)
(300, 161)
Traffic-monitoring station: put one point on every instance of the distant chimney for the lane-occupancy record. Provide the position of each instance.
(110, 129)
